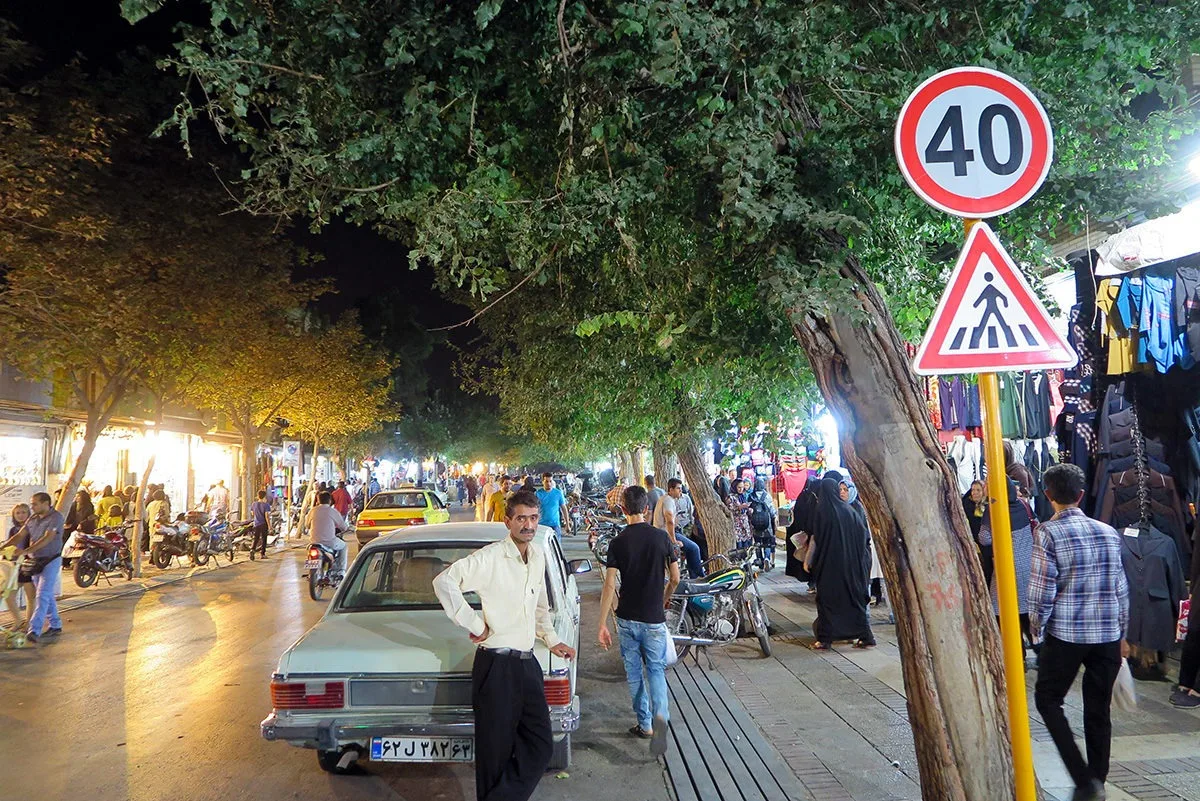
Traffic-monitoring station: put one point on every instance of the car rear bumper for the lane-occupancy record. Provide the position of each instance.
(343, 728)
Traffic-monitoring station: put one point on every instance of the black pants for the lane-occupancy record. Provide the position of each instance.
(1058, 664)
(513, 743)
(260, 540)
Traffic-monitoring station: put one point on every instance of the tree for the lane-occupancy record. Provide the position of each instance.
(761, 130)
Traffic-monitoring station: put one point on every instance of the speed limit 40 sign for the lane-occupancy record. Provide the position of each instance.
(974, 142)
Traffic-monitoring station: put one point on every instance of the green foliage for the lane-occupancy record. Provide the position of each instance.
(643, 159)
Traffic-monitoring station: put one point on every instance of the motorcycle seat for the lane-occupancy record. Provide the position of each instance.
(689, 588)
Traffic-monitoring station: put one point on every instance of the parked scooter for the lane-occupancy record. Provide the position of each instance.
(176, 540)
(102, 553)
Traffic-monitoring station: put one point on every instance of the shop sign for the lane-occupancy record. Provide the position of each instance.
(291, 453)
(973, 142)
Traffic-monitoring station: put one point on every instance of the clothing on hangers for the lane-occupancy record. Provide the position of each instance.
(1155, 573)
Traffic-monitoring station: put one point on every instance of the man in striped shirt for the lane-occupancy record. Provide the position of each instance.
(1079, 606)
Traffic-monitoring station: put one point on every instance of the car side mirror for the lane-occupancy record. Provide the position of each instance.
(578, 566)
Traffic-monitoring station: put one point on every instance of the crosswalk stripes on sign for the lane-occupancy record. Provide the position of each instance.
(989, 318)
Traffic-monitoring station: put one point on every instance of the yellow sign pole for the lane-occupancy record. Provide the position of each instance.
(1006, 585)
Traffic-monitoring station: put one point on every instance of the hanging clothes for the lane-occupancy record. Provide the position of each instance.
(952, 399)
(1122, 356)
(974, 413)
(933, 403)
(1055, 378)
(1160, 342)
(1186, 300)
(1012, 415)
(968, 460)
(1156, 587)
(1034, 391)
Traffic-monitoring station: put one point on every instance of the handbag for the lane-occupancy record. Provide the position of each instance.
(1181, 623)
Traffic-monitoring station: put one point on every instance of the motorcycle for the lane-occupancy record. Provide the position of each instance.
(216, 538)
(321, 575)
(178, 540)
(714, 610)
(103, 553)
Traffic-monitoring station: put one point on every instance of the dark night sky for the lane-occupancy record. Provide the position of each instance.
(364, 265)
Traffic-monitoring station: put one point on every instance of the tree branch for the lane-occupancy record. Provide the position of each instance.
(277, 68)
(480, 313)
(365, 189)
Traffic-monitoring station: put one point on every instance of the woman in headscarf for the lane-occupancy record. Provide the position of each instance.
(1022, 542)
(841, 568)
(762, 520)
(975, 505)
(799, 532)
(876, 583)
(741, 521)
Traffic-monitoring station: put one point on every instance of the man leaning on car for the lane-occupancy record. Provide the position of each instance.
(513, 741)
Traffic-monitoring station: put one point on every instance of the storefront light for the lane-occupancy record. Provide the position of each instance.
(602, 466)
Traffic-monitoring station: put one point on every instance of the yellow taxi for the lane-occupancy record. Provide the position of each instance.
(395, 509)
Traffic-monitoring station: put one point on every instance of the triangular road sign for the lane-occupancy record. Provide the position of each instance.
(989, 320)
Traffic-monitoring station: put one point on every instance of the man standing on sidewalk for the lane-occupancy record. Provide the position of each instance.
(666, 517)
(43, 535)
(342, 500)
(554, 505)
(653, 494)
(1079, 598)
(642, 554)
(261, 510)
(513, 741)
(497, 500)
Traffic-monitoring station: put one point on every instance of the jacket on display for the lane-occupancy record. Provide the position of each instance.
(1156, 587)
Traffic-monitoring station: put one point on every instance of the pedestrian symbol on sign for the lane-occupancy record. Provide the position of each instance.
(989, 318)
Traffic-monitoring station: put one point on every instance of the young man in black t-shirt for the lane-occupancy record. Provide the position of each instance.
(643, 555)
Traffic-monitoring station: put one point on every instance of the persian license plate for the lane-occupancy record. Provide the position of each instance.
(156, 538)
(422, 749)
(312, 564)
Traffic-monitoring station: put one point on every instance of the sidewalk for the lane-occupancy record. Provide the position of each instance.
(840, 718)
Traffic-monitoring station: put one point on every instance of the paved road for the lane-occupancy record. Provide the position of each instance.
(160, 695)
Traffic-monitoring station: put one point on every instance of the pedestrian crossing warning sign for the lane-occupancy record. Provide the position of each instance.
(989, 320)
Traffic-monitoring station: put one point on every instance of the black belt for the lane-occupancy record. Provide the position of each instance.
(508, 652)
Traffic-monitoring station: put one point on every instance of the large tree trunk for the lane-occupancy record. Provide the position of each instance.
(249, 472)
(91, 434)
(949, 648)
(666, 466)
(714, 515)
(140, 513)
(311, 494)
(625, 472)
(639, 464)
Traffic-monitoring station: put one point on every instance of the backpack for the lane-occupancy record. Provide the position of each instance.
(760, 513)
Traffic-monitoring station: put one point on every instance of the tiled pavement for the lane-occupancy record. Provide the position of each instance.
(840, 720)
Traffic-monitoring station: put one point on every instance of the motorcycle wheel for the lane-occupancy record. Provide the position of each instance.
(679, 623)
(160, 558)
(314, 585)
(200, 552)
(758, 617)
(86, 570)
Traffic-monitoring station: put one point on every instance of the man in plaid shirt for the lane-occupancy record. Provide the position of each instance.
(1079, 606)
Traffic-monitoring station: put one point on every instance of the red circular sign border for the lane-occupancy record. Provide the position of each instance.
(1042, 146)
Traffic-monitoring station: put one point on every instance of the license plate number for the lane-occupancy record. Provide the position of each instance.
(422, 749)
(156, 539)
(312, 564)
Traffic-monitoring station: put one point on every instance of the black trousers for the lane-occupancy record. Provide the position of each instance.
(1058, 664)
(260, 540)
(513, 742)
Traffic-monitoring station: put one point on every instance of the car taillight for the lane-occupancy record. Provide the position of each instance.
(367, 523)
(314, 553)
(302, 695)
(413, 521)
(558, 690)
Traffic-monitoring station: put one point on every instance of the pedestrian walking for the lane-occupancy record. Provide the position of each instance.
(1021, 521)
(762, 519)
(261, 511)
(513, 741)
(17, 519)
(497, 500)
(219, 500)
(342, 499)
(840, 561)
(553, 505)
(642, 554)
(1079, 610)
(42, 538)
(489, 487)
(472, 489)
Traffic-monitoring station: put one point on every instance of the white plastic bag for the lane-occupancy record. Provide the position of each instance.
(670, 652)
(1124, 694)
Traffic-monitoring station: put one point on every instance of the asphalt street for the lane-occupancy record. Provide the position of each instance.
(159, 695)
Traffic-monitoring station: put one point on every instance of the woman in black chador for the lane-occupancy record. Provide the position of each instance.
(841, 569)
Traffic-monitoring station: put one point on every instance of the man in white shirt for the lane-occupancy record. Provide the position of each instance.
(666, 517)
(513, 741)
(324, 522)
(218, 498)
(486, 488)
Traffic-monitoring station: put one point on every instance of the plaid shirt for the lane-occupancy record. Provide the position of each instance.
(1077, 591)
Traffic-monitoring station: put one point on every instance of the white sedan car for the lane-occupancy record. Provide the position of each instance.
(386, 675)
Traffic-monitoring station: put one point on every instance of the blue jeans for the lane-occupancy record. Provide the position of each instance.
(691, 555)
(643, 647)
(557, 531)
(47, 583)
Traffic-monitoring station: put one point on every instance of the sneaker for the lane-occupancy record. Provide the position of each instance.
(1184, 699)
(31, 637)
(638, 731)
(52, 632)
(658, 741)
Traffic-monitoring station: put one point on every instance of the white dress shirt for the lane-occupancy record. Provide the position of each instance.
(512, 590)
